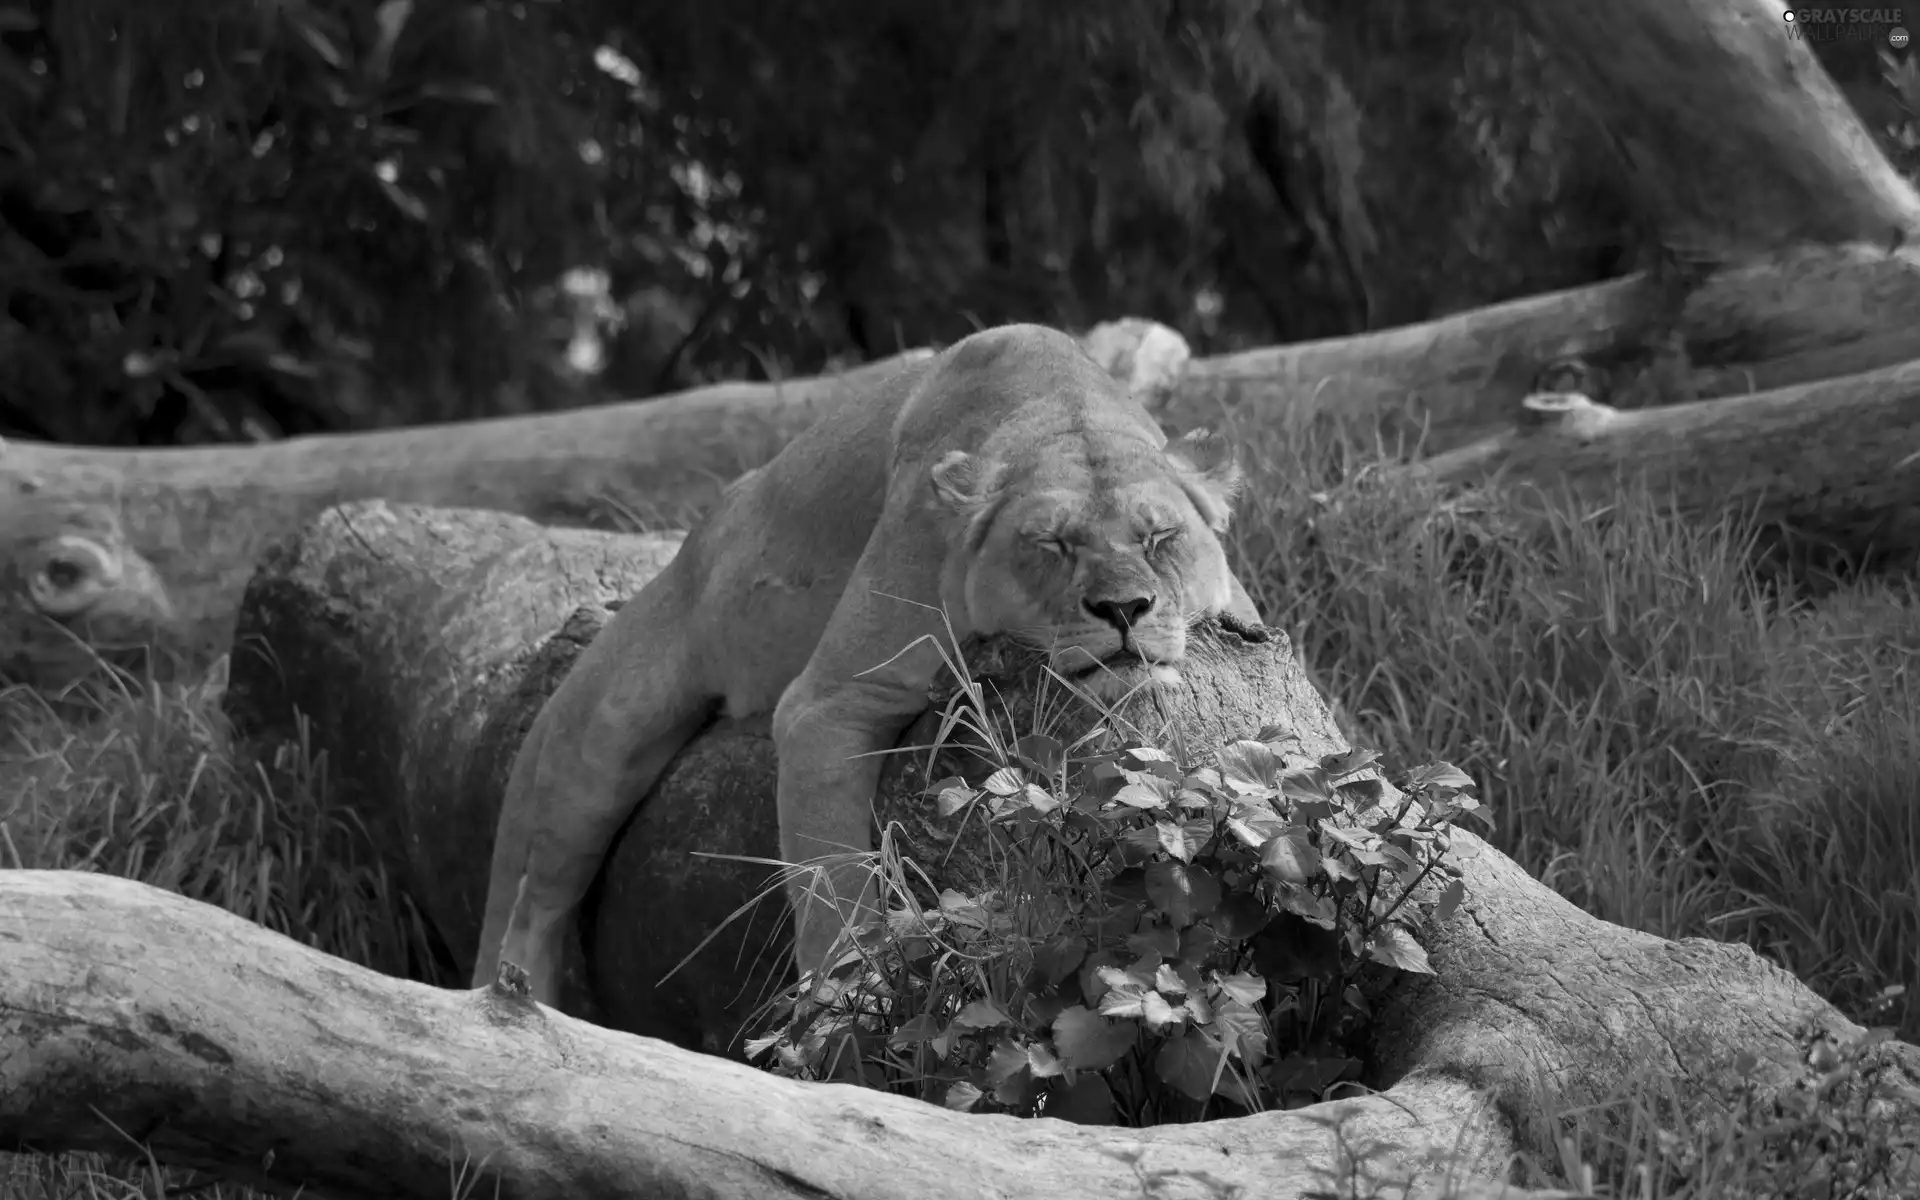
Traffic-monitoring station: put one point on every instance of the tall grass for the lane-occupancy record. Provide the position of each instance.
(1670, 740)
(149, 783)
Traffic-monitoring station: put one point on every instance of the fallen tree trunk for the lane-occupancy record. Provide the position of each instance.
(161, 542)
(422, 632)
(1832, 463)
(301, 1070)
(1802, 315)
(103, 548)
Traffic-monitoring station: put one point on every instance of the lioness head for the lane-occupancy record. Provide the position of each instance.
(1095, 544)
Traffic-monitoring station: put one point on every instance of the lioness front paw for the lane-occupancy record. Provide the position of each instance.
(1246, 631)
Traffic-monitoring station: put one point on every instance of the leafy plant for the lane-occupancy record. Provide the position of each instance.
(1169, 941)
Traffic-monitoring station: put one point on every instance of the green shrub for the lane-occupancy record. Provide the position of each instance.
(1168, 940)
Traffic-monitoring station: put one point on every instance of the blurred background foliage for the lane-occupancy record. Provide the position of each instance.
(244, 219)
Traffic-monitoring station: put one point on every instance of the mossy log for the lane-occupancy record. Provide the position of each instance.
(420, 641)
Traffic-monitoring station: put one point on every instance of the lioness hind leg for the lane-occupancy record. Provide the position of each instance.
(509, 859)
(598, 746)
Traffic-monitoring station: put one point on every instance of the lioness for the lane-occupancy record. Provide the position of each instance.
(1008, 482)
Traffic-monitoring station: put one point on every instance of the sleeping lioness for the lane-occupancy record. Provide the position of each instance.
(1008, 482)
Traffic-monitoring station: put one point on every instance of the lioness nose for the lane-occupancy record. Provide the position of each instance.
(1121, 614)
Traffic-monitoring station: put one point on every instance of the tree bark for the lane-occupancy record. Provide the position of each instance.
(153, 547)
(1735, 137)
(1834, 463)
(222, 1045)
(178, 530)
(1802, 315)
(416, 636)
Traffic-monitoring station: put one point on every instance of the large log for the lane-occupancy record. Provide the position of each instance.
(130, 1011)
(1800, 315)
(380, 617)
(1834, 463)
(163, 541)
(156, 545)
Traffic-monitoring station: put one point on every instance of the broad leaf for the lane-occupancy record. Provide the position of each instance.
(1244, 987)
(952, 800)
(1038, 798)
(1197, 942)
(1239, 916)
(1249, 767)
(1439, 775)
(1395, 947)
(1155, 942)
(981, 1014)
(1007, 781)
(1242, 1030)
(1157, 1013)
(1008, 1059)
(1093, 984)
(1042, 751)
(1123, 1001)
(1056, 959)
(941, 785)
(1189, 1063)
(1306, 784)
(1087, 1041)
(1140, 795)
(1290, 858)
(1043, 1062)
(1347, 763)
(1173, 840)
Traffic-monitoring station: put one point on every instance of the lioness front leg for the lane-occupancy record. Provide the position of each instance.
(830, 740)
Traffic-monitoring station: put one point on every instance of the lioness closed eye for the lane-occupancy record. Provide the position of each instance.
(1008, 480)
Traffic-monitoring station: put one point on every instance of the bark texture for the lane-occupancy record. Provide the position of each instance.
(178, 531)
(1833, 462)
(225, 1046)
(1527, 986)
(1799, 315)
(115, 548)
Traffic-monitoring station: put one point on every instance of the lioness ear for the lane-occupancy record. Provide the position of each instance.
(961, 481)
(1209, 470)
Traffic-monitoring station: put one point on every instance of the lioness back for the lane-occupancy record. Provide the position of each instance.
(771, 561)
